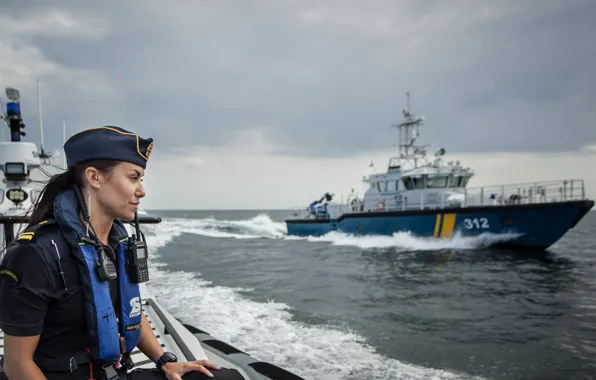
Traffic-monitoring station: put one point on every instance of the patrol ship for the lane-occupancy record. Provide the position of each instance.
(21, 163)
(429, 197)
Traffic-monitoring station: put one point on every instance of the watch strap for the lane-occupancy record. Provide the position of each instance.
(166, 357)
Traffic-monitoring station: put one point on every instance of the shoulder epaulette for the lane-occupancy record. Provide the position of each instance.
(30, 231)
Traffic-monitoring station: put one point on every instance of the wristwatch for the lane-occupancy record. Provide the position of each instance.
(167, 357)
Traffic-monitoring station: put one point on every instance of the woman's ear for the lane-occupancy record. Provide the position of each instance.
(93, 177)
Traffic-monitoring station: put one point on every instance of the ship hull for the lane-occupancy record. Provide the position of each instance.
(535, 226)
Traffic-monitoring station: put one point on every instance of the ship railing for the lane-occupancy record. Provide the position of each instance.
(525, 193)
(299, 213)
(496, 195)
(334, 211)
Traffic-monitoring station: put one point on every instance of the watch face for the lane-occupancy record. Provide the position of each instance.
(169, 357)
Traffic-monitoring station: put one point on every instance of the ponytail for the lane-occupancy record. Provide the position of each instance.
(43, 208)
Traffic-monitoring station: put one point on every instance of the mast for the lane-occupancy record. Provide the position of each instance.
(64, 140)
(4, 117)
(39, 115)
(43, 155)
(409, 130)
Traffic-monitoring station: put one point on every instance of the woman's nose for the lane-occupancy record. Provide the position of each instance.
(141, 191)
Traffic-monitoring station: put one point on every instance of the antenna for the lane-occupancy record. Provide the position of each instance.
(39, 114)
(409, 131)
(45, 157)
(4, 117)
(64, 140)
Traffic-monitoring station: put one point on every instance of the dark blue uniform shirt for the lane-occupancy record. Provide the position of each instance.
(35, 301)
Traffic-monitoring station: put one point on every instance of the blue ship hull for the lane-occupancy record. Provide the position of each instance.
(530, 225)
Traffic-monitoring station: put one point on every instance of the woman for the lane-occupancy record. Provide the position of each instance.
(68, 307)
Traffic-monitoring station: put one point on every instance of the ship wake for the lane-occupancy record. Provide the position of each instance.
(263, 227)
(407, 241)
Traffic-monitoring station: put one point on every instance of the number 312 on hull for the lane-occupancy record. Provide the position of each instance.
(475, 223)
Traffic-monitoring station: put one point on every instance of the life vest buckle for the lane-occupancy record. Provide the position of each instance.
(109, 372)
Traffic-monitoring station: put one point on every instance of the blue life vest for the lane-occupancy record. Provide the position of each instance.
(103, 327)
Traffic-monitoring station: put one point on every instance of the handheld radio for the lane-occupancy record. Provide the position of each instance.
(106, 270)
(137, 268)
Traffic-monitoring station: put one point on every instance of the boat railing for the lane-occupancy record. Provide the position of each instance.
(496, 195)
(526, 193)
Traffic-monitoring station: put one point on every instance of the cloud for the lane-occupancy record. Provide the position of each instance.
(589, 149)
(265, 93)
(324, 79)
(239, 177)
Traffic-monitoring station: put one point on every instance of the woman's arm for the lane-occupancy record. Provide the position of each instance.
(18, 358)
(148, 343)
(150, 346)
(25, 294)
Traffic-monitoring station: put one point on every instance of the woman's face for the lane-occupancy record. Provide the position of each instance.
(121, 190)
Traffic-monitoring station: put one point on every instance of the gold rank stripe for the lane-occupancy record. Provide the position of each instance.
(26, 236)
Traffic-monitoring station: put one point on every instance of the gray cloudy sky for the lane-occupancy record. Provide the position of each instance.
(317, 77)
(310, 78)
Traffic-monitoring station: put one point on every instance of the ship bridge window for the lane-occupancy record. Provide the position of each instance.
(391, 185)
(426, 182)
(414, 183)
(382, 186)
(400, 185)
(436, 182)
(458, 181)
(409, 183)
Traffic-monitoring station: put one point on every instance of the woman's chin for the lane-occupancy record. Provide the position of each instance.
(128, 215)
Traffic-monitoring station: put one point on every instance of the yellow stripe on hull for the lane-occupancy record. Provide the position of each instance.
(448, 224)
(437, 225)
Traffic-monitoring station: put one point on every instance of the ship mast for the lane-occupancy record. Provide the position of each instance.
(409, 130)
(42, 154)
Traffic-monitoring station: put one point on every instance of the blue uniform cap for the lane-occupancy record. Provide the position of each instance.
(107, 143)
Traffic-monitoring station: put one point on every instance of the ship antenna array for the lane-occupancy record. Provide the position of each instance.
(45, 156)
(409, 130)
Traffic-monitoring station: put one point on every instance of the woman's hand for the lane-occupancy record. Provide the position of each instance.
(175, 371)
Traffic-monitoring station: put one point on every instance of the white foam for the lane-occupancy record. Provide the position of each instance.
(407, 241)
(260, 226)
(266, 330)
(263, 227)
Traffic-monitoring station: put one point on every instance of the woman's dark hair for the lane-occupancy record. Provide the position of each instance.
(43, 208)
